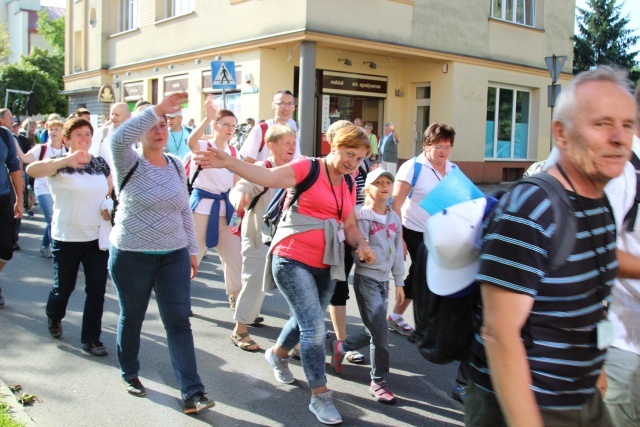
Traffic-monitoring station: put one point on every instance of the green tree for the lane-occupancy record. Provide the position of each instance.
(27, 77)
(604, 37)
(5, 47)
(52, 31)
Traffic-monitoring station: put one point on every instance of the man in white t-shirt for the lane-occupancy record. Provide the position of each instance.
(622, 365)
(254, 148)
(119, 114)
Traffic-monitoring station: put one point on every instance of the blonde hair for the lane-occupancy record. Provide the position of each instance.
(276, 132)
(56, 122)
(335, 126)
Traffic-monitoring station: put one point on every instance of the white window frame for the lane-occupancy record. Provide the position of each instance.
(515, 89)
(179, 7)
(128, 15)
(514, 11)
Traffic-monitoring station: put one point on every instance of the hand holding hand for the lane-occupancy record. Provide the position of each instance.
(171, 103)
(365, 252)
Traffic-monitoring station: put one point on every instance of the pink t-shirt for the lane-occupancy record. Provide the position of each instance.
(318, 202)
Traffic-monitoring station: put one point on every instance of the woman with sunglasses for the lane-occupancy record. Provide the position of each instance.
(212, 210)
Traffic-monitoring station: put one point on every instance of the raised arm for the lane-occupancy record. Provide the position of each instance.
(198, 132)
(50, 166)
(279, 177)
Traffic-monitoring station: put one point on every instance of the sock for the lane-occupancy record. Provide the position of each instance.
(395, 316)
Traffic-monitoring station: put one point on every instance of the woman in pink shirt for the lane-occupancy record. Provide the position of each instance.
(307, 251)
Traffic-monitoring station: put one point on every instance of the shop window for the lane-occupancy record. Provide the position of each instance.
(178, 7)
(507, 131)
(128, 15)
(521, 12)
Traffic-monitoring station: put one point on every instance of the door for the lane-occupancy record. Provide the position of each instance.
(421, 122)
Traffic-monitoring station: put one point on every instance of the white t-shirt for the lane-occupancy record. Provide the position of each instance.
(40, 185)
(77, 197)
(252, 143)
(625, 294)
(101, 144)
(413, 216)
(215, 181)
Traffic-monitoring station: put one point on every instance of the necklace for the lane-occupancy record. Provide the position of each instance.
(173, 137)
(341, 205)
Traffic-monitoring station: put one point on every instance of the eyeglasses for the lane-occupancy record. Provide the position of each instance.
(285, 104)
(226, 125)
(442, 147)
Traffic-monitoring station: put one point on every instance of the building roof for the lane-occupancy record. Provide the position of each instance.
(53, 12)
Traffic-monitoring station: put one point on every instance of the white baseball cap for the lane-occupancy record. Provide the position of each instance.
(377, 173)
(452, 238)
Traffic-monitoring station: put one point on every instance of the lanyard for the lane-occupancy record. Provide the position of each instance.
(175, 143)
(341, 205)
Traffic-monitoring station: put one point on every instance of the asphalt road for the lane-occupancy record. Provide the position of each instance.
(76, 389)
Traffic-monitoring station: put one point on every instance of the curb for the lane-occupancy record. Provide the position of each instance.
(18, 412)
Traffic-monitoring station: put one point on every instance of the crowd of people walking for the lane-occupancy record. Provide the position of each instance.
(540, 356)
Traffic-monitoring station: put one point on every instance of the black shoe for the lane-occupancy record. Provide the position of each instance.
(1, 299)
(134, 387)
(16, 247)
(258, 320)
(96, 348)
(196, 403)
(55, 328)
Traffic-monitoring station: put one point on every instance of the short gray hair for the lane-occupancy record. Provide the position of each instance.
(566, 104)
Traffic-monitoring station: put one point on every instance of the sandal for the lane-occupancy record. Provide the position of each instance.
(236, 339)
(354, 357)
(232, 302)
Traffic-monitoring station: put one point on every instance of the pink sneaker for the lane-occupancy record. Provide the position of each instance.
(381, 392)
(336, 357)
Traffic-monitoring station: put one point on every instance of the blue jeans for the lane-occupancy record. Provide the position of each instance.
(135, 275)
(308, 291)
(67, 257)
(372, 297)
(45, 201)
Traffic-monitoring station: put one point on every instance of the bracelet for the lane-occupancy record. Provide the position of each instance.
(363, 238)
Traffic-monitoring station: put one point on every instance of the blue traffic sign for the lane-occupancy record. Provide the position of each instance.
(223, 74)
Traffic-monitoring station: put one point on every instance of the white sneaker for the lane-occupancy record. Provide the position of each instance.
(280, 367)
(322, 407)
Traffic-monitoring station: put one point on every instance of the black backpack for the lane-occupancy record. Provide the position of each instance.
(276, 207)
(445, 326)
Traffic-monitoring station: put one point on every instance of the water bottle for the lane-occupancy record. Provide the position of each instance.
(234, 223)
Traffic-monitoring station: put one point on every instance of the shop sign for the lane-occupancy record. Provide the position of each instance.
(353, 84)
(106, 94)
(176, 84)
(133, 91)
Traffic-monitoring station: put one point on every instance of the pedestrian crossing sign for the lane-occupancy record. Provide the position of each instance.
(223, 74)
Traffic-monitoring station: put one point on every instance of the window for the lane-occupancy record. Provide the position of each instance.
(507, 132)
(517, 11)
(128, 15)
(179, 7)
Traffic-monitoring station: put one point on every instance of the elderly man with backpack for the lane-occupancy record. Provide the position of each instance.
(538, 357)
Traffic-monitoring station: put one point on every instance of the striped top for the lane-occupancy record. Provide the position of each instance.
(564, 359)
(153, 212)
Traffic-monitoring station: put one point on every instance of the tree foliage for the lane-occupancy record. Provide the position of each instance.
(604, 37)
(5, 47)
(41, 72)
(52, 31)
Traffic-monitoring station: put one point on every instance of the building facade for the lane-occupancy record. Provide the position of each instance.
(20, 18)
(478, 66)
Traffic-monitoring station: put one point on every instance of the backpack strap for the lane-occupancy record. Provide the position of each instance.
(307, 182)
(253, 203)
(128, 176)
(349, 179)
(630, 218)
(417, 168)
(563, 240)
(43, 151)
(170, 160)
(233, 150)
(264, 126)
(199, 168)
